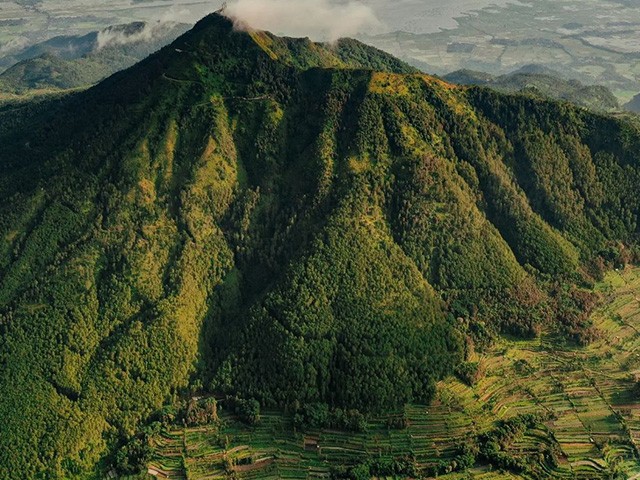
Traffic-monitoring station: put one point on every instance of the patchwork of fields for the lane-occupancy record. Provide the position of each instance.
(592, 431)
(593, 41)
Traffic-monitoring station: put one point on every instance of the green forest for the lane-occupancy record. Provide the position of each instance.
(284, 224)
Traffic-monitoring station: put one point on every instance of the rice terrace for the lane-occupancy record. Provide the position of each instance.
(543, 409)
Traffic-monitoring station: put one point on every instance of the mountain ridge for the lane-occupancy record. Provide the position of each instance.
(241, 214)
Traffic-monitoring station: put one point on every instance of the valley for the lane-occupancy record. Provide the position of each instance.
(594, 41)
(26, 22)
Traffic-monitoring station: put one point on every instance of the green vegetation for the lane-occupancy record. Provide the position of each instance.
(544, 409)
(79, 62)
(272, 223)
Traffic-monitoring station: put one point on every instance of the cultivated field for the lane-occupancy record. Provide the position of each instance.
(594, 41)
(587, 394)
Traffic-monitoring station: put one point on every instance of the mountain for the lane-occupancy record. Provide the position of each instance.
(45, 72)
(67, 47)
(537, 69)
(543, 82)
(633, 105)
(287, 224)
(78, 61)
(469, 77)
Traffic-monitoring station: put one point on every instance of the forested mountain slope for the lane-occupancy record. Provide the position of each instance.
(287, 222)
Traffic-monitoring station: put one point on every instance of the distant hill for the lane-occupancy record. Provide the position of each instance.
(77, 61)
(537, 69)
(469, 77)
(68, 47)
(633, 105)
(48, 72)
(542, 82)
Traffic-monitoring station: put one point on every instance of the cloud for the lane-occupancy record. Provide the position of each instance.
(317, 19)
(131, 33)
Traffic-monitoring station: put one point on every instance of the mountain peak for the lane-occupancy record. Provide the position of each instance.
(215, 20)
(219, 45)
(222, 57)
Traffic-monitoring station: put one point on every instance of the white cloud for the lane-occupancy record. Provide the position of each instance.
(317, 19)
(119, 36)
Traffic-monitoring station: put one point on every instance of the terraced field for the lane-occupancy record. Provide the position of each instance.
(593, 426)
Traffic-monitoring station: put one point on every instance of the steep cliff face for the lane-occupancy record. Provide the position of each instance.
(281, 220)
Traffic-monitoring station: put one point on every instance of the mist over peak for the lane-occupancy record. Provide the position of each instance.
(317, 19)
